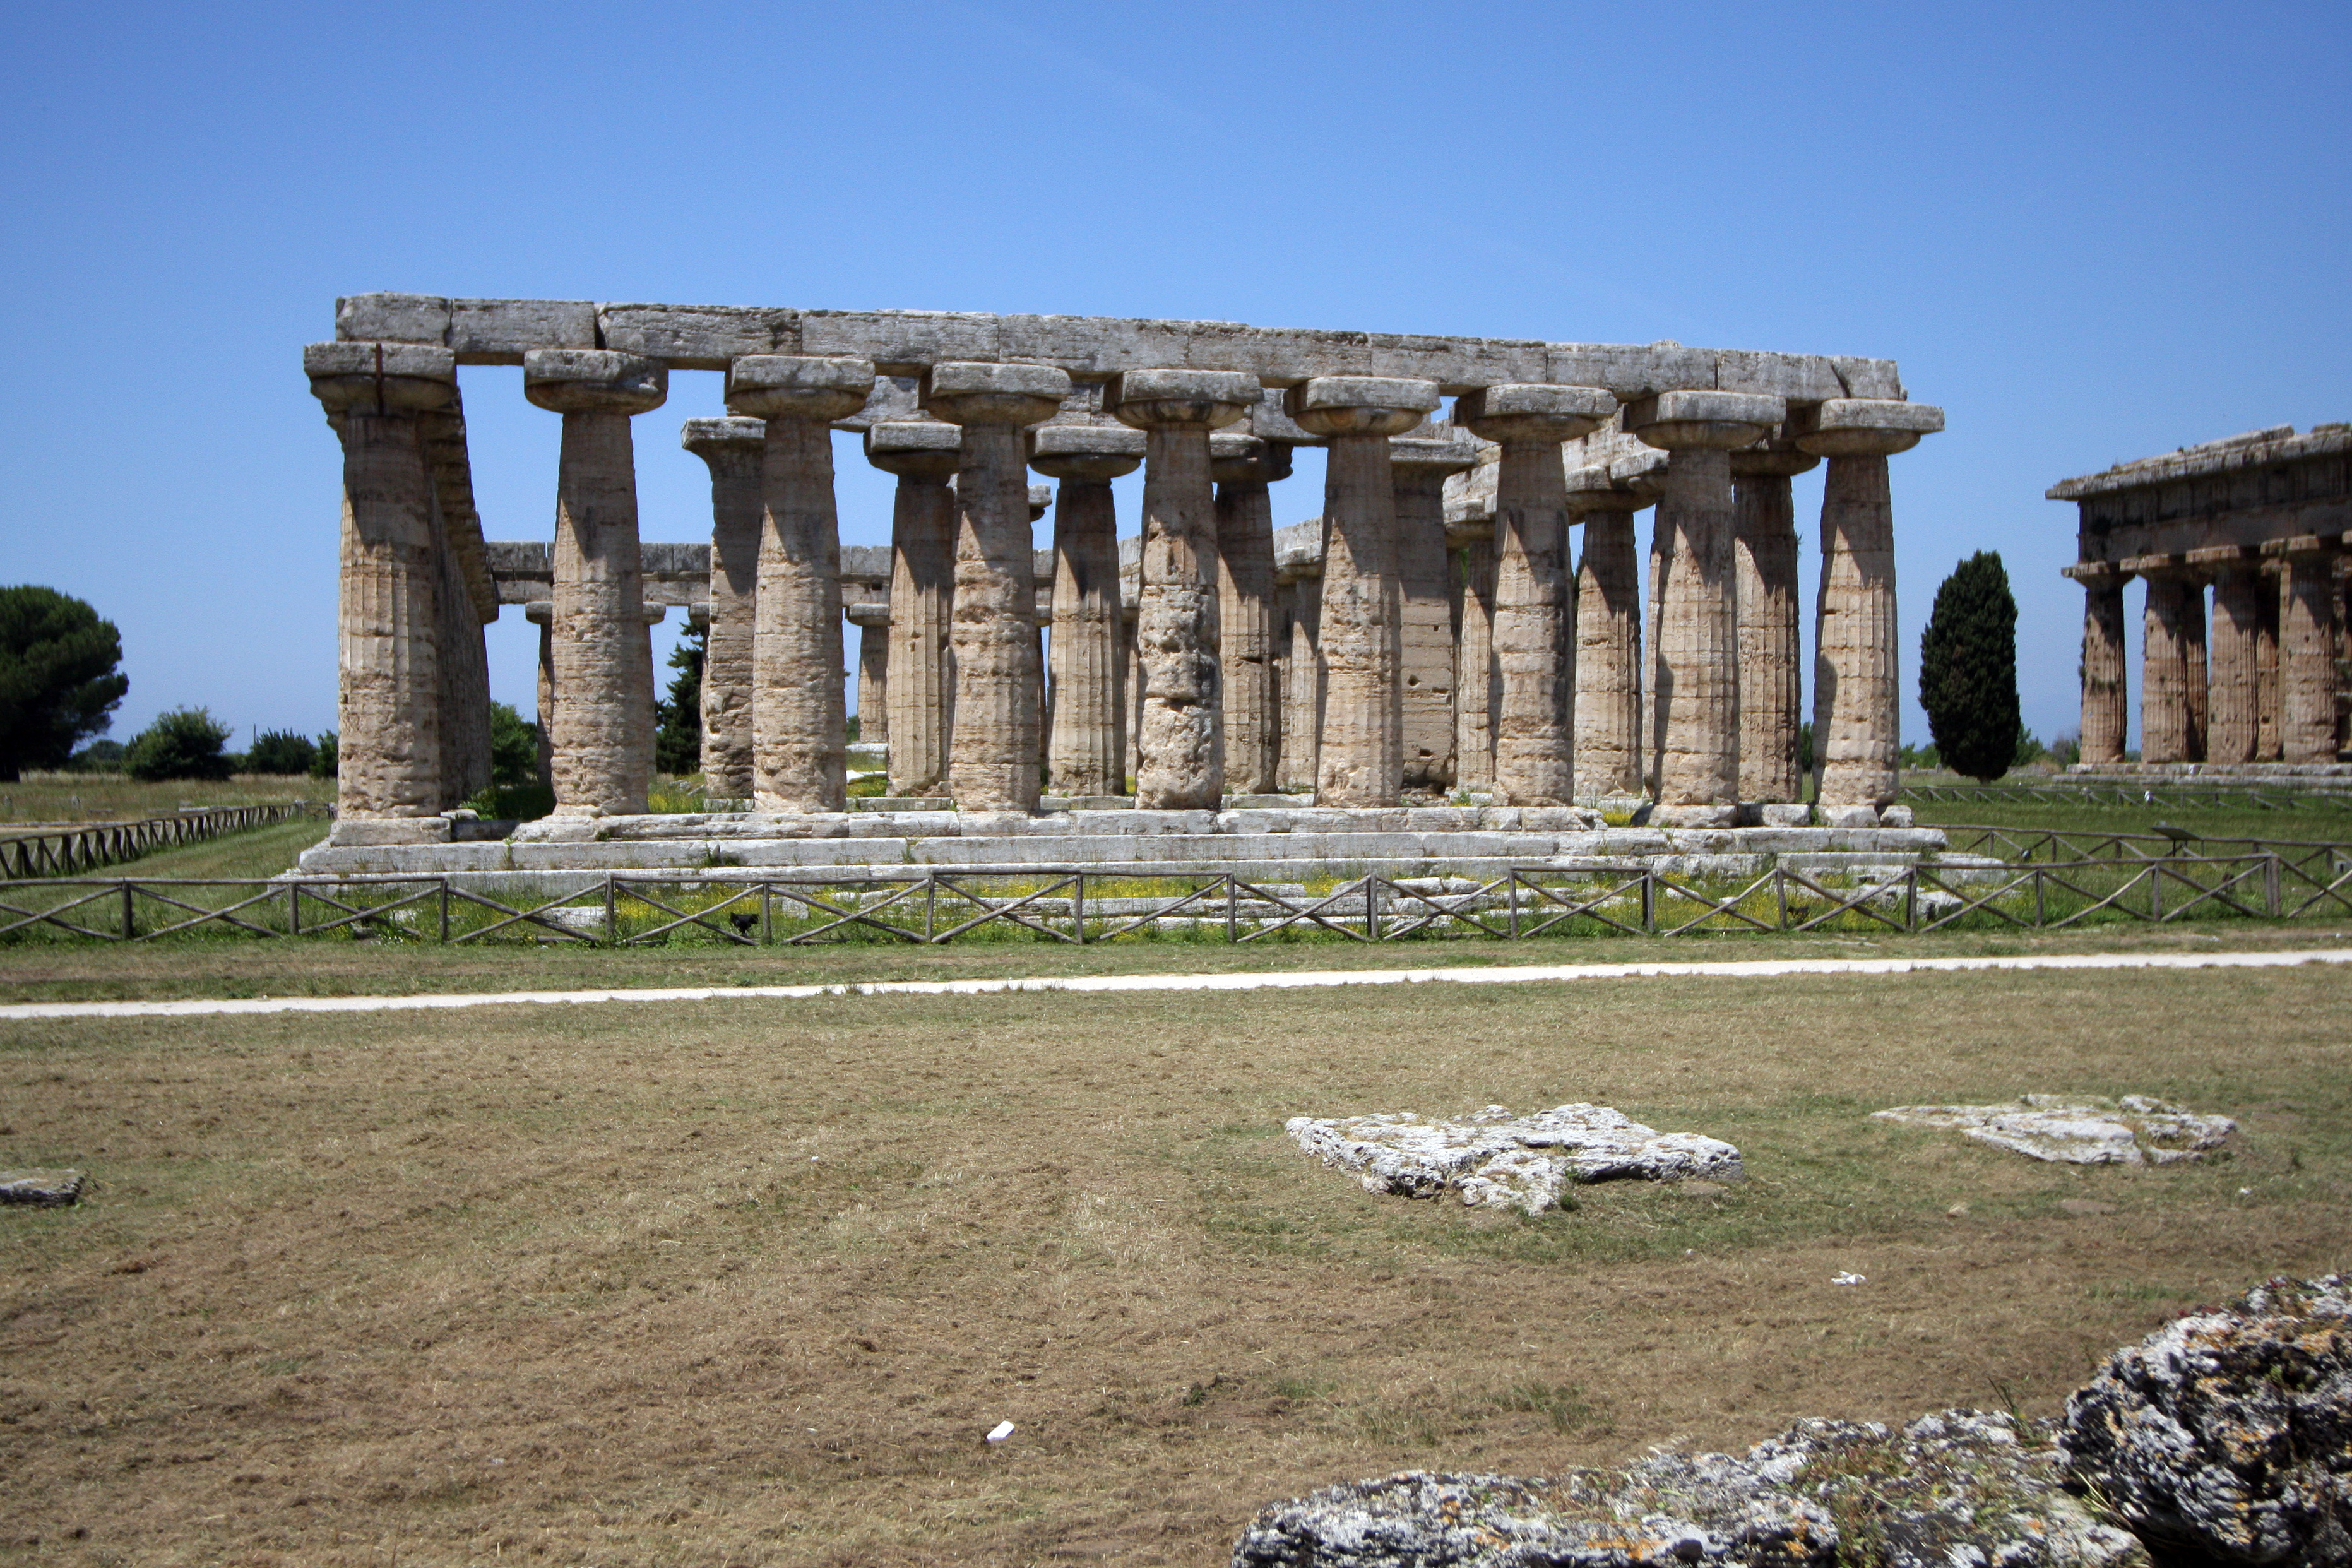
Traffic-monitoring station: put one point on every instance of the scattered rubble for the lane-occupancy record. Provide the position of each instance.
(44, 1188)
(1962, 1488)
(1495, 1158)
(2078, 1131)
(2226, 1437)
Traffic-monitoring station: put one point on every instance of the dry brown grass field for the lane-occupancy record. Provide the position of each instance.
(745, 1281)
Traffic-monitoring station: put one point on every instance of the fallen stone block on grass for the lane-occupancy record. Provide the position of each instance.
(1961, 1489)
(2077, 1130)
(2226, 1437)
(43, 1188)
(1495, 1158)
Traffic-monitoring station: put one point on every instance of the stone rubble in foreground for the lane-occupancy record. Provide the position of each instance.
(2078, 1129)
(1962, 1488)
(1494, 1158)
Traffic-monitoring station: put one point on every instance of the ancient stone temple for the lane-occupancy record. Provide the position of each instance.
(1434, 634)
(2263, 522)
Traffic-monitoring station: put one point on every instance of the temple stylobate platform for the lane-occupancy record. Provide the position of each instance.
(1430, 637)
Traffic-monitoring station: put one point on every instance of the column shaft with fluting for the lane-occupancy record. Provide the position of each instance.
(603, 744)
(1359, 758)
(732, 447)
(1764, 547)
(1085, 747)
(2233, 717)
(999, 681)
(1302, 685)
(389, 677)
(1609, 711)
(2105, 710)
(2164, 724)
(919, 683)
(1424, 568)
(1244, 466)
(541, 613)
(799, 716)
(1180, 754)
(1476, 679)
(2307, 642)
(1857, 694)
(2267, 667)
(873, 624)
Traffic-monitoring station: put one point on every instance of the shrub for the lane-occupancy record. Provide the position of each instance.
(58, 684)
(514, 748)
(1968, 669)
(183, 743)
(281, 752)
(328, 756)
(98, 757)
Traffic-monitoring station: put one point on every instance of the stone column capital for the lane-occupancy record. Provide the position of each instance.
(1238, 459)
(1041, 501)
(2093, 574)
(1593, 490)
(593, 381)
(966, 391)
(872, 614)
(1532, 412)
(2172, 567)
(922, 450)
(1451, 450)
(711, 439)
(2218, 561)
(1089, 454)
(1361, 404)
(2307, 546)
(1704, 419)
(381, 378)
(1181, 398)
(1863, 426)
(540, 612)
(1643, 474)
(824, 388)
(1776, 456)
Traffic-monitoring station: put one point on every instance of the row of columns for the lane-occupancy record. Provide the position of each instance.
(1398, 695)
(2260, 686)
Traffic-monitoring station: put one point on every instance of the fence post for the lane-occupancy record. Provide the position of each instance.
(444, 911)
(2271, 884)
(766, 920)
(129, 928)
(1231, 934)
(1781, 896)
(293, 909)
(2040, 910)
(1649, 901)
(612, 926)
(1911, 899)
(2155, 890)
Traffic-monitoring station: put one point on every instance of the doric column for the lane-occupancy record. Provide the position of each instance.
(1695, 706)
(645, 723)
(2266, 665)
(603, 749)
(2106, 713)
(1085, 749)
(1535, 761)
(1425, 568)
(1302, 678)
(1130, 701)
(541, 613)
(2233, 716)
(2164, 716)
(1764, 551)
(1359, 756)
(1180, 756)
(2306, 643)
(873, 624)
(923, 453)
(1000, 682)
(1857, 693)
(1243, 467)
(1476, 679)
(799, 727)
(1607, 731)
(390, 676)
(732, 447)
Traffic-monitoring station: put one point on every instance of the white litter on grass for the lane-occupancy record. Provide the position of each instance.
(1492, 1157)
(1001, 1431)
(2078, 1131)
(1843, 1278)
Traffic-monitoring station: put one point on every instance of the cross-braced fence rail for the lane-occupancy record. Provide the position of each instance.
(66, 852)
(2280, 797)
(1074, 905)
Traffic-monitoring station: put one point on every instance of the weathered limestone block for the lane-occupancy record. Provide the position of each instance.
(1764, 546)
(2233, 732)
(1359, 756)
(1492, 1157)
(1179, 756)
(1086, 742)
(1476, 681)
(999, 679)
(799, 725)
(1857, 691)
(1535, 762)
(390, 672)
(1695, 718)
(603, 747)
(1420, 465)
(2074, 1131)
(2226, 1437)
(2105, 710)
(921, 683)
(1244, 466)
(732, 447)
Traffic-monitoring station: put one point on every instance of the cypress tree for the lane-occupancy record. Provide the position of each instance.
(1968, 669)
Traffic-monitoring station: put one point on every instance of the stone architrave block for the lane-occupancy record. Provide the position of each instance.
(394, 318)
(501, 332)
(1160, 384)
(701, 337)
(1689, 406)
(953, 378)
(432, 363)
(1089, 441)
(1343, 392)
(900, 342)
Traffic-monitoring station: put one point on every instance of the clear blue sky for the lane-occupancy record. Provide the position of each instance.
(2092, 233)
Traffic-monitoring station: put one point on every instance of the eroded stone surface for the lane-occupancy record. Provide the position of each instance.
(1495, 1158)
(2133, 1131)
(42, 1188)
(2226, 1437)
(1960, 1489)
